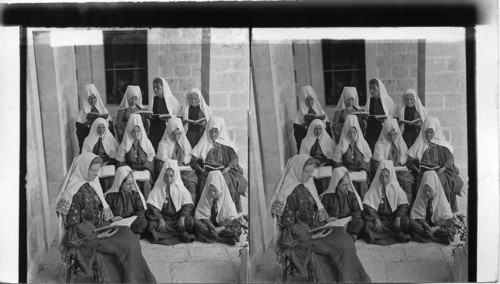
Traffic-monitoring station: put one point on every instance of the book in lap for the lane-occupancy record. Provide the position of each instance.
(144, 111)
(142, 175)
(359, 113)
(126, 222)
(185, 168)
(322, 172)
(401, 169)
(107, 171)
(428, 168)
(410, 121)
(357, 176)
(195, 121)
(209, 168)
(337, 223)
(378, 116)
(95, 115)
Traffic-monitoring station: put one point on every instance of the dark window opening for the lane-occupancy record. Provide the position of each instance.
(344, 66)
(125, 63)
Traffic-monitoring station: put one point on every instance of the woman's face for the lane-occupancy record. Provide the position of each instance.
(132, 101)
(128, 183)
(136, 132)
(92, 100)
(158, 89)
(318, 130)
(93, 172)
(429, 134)
(169, 176)
(374, 90)
(343, 185)
(176, 135)
(385, 177)
(428, 192)
(101, 128)
(309, 101)
(349, 102)
(213, 134)
(409, 100)
(213, 192)
(352, 133)
(307, 173)
(194, 100)
(392, 135)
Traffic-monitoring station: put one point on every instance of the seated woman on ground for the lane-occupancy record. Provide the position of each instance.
(391, 146)
(126, 200)
(113, 255)
(348, 104)
(137, 152)
(175, 146)
(341, 201)
(195, 109)
(320, 146)
(353, 153)
(170, 208)
(431, 213)
(296, 209)
(131, 103)
(386, 208)
(215, 216)
(411, 109)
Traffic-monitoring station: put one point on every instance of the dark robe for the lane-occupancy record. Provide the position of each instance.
(420, 229)
(83, 130)
(122, 120)
(373, 126)
(411, 132)
(342, 205)
(158, 125)
(127, 205)
(139, 163)
(329, 259)
(117, 259)
(300, 130)
(338, 121)
(317, 153)
(195, 132)
(353, 160)
(99, 150)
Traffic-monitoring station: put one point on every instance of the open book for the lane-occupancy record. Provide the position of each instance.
(427, 168)
(143, 111)
(142, 175)
(195, 121)
(378, 116)
(312, 117)
(208, 168)
(401, 169)
(410, 121)
(166, 115)
(95, 115)
(184, 168)
(337, 223)
(322, 172)
(357, 176)
(360, 112)
(107, 171)
(123, 222)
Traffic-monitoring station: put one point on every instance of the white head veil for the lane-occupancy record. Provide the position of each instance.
(361, 144)
(383, 147)
(128, 141)
(307, 91)
(171, 102)
(120, 175)
(85, 106)
(108, 140)
(203, 106)
(225, 204)
(387, 102)
(132, 91)
(167, 145)
(337, 175)
(326, 143)
(440, 205)
(205, 144)
(418, 148)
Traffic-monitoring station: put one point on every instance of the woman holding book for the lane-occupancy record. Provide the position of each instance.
(163, 103)
(170, 208)
(215, 216)
(411, 116)
(431, 217)
(126, 200)
(91, 107)
(353, 153)
(379, 104)
(309, 109)
(348, 104)
(137, 152)
(101, 142)
(320, 146)
(111, 256)
(326, 256)
(216, 151)
(342, 201)
(196, 113)
(431, 151)
(391, 146)
(385, 208)
(131, 103)
(175, 146)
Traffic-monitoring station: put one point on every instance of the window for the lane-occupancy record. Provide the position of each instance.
(343, 65)
(125, 63)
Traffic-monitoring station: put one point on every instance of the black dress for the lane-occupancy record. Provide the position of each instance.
(158, 126)
(373, 126)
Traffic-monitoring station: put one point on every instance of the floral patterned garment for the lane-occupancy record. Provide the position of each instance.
(300, 207)
(86, 206)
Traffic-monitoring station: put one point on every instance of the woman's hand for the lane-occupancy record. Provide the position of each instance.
(331, 219)
(162, 228)
(434, 229)
(104, 164)
(219, 229)
(107, 233)
(322, 215)
(116, 218)
(441, 170)
(378, 226)
(397, 223)
(180, 224)
(322, 164)
(226, 170)
(321, 234)
(202, 123)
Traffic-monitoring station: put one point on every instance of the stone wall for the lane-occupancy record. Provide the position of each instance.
(90, 68)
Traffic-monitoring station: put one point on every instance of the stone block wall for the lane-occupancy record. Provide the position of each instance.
(90, 68)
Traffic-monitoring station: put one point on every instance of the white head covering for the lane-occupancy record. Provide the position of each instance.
(132, 91)
(225, 204)
(133, 121)
(383, 147)
(205, 144)
(348, 92)
(440, 205)
(326, 143)
(120, 175)
(387, 102)
(290, 179)
(307, 91)
(171, 102)
(178, 192)
(337, 175)
(422, 111)
(85, 106)
(108, 140)
(418, 148)
(395, 194)
(361, 144)
(203, 106)
(166, 146)
(74, 179)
